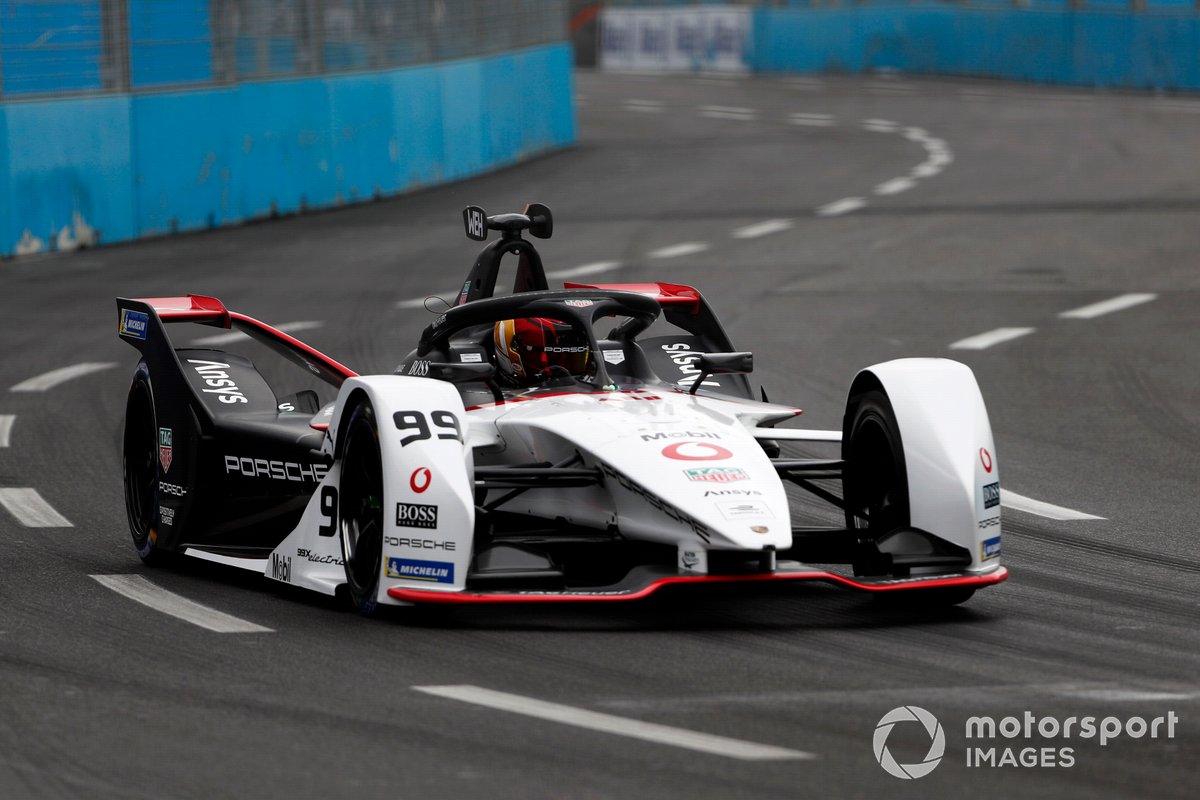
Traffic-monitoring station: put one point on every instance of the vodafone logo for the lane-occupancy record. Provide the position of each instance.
(696, 451)
(985, 458)
(420, 479)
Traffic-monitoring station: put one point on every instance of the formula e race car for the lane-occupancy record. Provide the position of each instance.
(591, 443)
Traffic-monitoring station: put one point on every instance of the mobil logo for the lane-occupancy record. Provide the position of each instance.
(697, 451)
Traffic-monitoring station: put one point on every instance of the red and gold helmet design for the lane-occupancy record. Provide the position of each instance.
(526, 347)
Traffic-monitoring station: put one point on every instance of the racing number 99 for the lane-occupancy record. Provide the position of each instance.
(415, 421)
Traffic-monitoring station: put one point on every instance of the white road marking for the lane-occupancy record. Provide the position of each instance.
(729, 115)
(804, 115)
(729, 109)
(417, 302)
(1191, 108)
(676, 250)
(140, 590)
(585, 269)
(985, 340)
(916, 134)
(895, 186)
(925, 170)
(31, 510)
(6, 424)
(883, 123)
(650, 106)
(811, 122)
(236, 336)
(843, 206)
(1018, 502)
(762, 228)
(1131, 695)
(620, 726)
(1108, 306)
(55, 377)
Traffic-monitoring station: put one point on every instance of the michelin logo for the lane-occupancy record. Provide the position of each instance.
(414, 570)
(134, 324)
(989, 548)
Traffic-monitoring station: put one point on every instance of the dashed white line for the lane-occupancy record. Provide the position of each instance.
(1108, 306)
(49, 380)
(985, 340)
(6, 424)
(895, 186)
(648, 106)
(677, 250)
(762, 228)
(729, 109)
(882, 123)
(843, 206)
(1018, 502)
(1127, 695)
(585, 269)
(728, 112)
(926, 170)
(31, 510)
(812, 122)
(417, 302)
(815, 120)
(620, 726)
(140, 590)
(237, 336)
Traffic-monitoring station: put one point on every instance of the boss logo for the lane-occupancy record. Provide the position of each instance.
(416, 515)
(991, 495)
(419, 369)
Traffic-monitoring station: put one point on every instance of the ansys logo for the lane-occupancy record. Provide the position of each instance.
(937, 745)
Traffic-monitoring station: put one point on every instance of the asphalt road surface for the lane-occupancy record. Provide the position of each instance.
(834, 223)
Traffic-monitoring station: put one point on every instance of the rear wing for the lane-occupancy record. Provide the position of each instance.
(141, 323)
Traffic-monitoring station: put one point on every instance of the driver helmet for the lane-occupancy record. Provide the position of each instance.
(527, 348)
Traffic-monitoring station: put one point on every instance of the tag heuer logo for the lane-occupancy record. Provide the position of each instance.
(164, 448)
(716, 474)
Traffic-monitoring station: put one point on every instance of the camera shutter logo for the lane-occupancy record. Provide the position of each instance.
(937, 745)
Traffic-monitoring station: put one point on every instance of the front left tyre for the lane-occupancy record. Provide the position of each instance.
(361, 507)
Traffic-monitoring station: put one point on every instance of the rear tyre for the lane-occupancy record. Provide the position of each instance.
(140, 469)
(361, 516)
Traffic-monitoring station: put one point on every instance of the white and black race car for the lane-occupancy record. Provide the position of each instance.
(591, 443)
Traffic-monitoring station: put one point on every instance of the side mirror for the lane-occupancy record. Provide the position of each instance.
(722, 364)
(541, 220)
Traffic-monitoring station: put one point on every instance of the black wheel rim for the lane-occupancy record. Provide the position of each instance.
(362, 508)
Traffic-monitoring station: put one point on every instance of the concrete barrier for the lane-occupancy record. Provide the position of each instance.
(104, 169)
(1120, 48)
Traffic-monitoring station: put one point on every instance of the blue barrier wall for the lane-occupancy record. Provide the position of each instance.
(125, 166)
(1092, 47)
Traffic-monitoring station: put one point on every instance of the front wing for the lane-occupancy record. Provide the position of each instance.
(644, 581)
